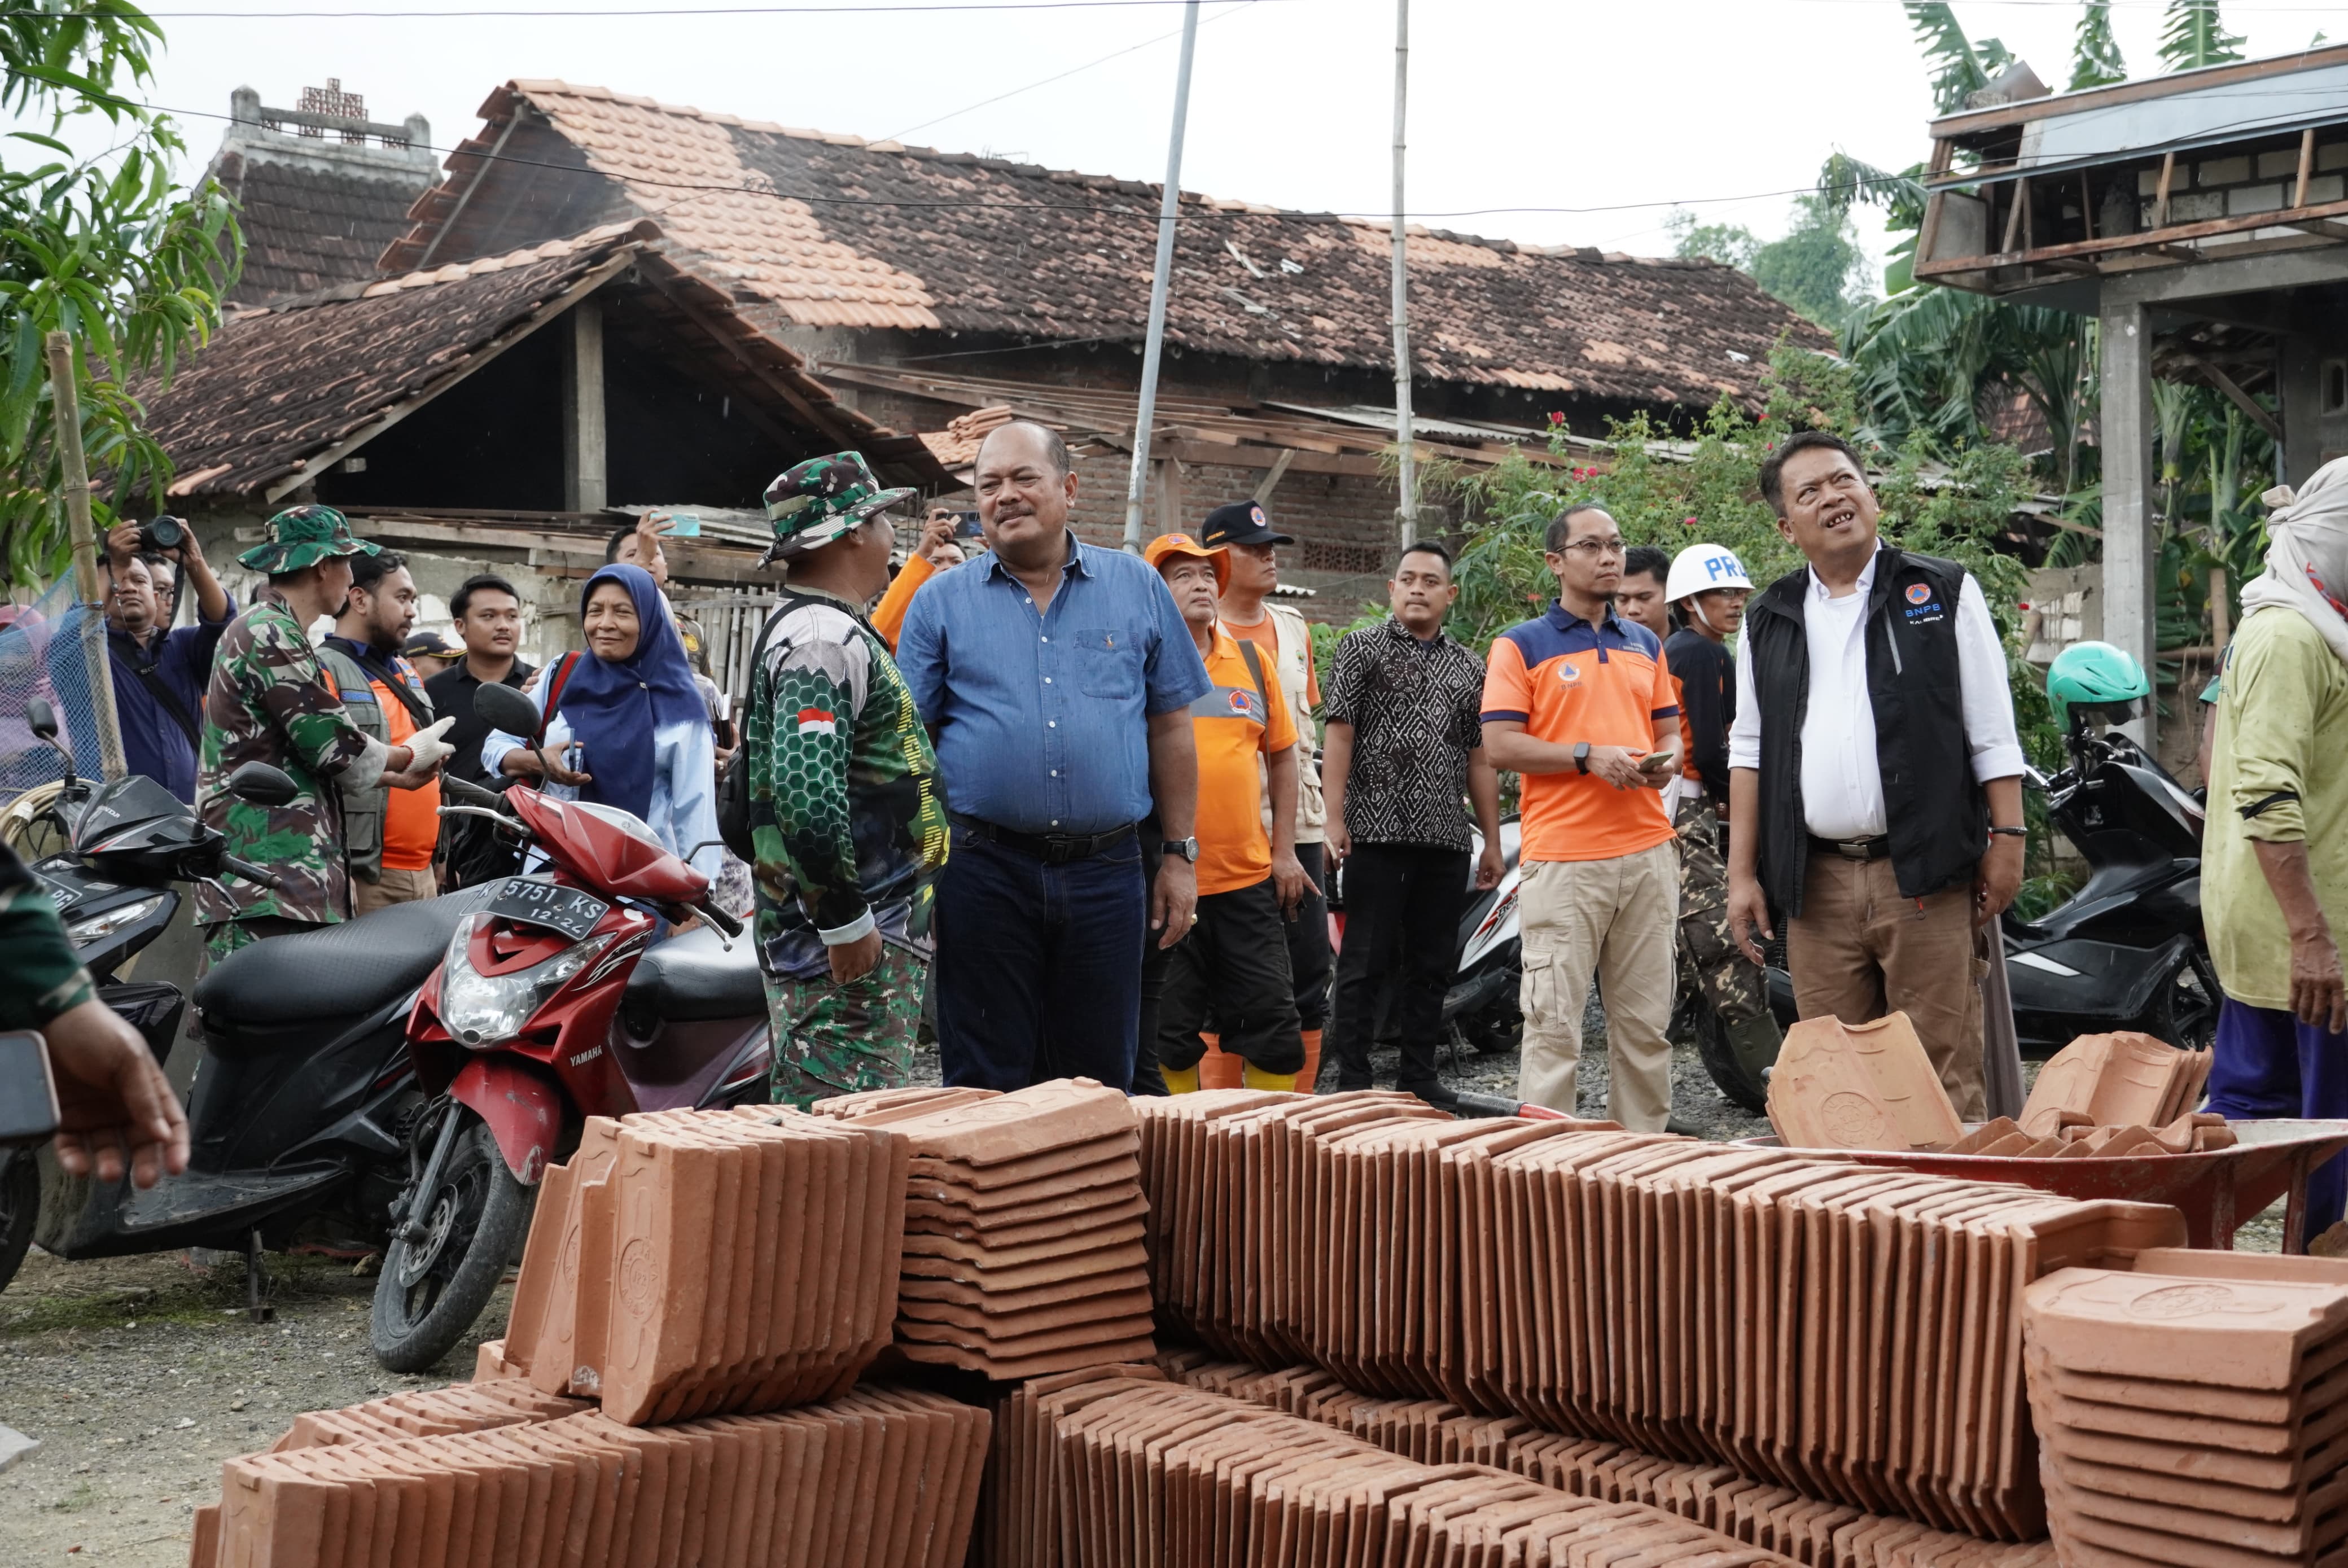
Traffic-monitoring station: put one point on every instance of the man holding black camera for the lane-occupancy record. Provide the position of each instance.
(159, 673)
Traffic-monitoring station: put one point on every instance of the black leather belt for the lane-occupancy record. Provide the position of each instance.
(1874, 848)
(1052, 849)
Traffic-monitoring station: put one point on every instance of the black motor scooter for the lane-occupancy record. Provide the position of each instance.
(303, 1099)
(2126, 951)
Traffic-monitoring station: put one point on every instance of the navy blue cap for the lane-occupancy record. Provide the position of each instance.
(1241, 522)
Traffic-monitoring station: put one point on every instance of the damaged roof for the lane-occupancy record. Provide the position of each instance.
(820, 230)
(284, 392)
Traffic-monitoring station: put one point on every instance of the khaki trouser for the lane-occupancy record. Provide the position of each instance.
(1615, 917)
(397, 887)
(1859, 950)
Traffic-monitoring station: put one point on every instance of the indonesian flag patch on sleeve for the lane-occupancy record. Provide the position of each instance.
(817, 721)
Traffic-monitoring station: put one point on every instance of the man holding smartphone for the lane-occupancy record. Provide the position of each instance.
(1580, 703)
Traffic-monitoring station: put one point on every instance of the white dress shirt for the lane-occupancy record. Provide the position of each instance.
(1842, 788)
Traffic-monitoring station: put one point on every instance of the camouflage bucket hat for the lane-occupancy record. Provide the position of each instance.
(822, 499)
(303, 536)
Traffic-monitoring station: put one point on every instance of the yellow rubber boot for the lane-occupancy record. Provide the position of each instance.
(1253, 1076)
(1180, 1080)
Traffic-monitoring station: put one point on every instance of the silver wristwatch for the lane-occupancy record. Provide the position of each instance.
(1186, 847)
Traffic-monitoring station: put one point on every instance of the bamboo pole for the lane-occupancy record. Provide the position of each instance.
(1169, 212)
(84, 534)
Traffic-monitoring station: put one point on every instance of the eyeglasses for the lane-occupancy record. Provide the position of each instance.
(1594, 548)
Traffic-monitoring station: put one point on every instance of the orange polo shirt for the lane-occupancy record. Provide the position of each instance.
(1570, 681)
(1234, 724)
(888, 615)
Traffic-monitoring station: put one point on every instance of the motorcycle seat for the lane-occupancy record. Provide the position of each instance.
(342, 971)
(692, 977)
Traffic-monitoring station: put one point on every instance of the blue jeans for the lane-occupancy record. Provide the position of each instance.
(1038, 967)
(2269, 1064)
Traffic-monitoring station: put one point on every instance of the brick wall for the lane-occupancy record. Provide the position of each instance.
(2243, 183)
(1344, 523)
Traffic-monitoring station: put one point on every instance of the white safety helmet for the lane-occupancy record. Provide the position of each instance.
(1703, 567)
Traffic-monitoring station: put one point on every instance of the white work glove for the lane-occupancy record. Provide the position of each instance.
(426, 748)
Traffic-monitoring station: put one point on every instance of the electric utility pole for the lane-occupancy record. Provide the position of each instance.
(1169, 212)
(1408, 511)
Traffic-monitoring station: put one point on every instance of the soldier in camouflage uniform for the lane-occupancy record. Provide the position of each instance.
(845, 814)
(269, 702)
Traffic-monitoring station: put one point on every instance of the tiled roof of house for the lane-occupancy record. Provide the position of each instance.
(282, 393)
(830, 231)
(309, 228)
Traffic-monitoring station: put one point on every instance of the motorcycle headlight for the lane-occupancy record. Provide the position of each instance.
(481, 1010)
(98, 927)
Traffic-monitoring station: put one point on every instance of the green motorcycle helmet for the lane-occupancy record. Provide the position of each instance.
(2095, 680)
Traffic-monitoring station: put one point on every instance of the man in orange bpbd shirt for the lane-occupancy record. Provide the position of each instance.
(388, 835)
(1580, 703)
(1234, 961)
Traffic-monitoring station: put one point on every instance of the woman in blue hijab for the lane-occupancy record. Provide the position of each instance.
(629, 729)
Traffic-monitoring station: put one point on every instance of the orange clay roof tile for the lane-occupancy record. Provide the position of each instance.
(833, 231)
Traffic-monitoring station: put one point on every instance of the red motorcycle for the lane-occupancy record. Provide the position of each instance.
(556, 1000)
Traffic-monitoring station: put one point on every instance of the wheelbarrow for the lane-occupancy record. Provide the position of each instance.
(2214, 1191)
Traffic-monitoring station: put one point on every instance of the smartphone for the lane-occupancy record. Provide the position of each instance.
(684, 525)
(1653, 761)
(966, 525)
(28, 1096)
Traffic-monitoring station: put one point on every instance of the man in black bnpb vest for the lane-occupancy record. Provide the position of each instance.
(1875, 779)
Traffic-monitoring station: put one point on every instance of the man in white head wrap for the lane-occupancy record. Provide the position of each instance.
(2274, 866)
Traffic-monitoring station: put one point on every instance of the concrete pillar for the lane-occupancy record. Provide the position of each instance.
(2130, 553)
(2298, 377)
(585, 486)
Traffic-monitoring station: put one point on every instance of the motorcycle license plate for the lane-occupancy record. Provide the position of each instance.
(562, 909)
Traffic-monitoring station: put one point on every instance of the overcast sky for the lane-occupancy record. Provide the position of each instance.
(1608, 109)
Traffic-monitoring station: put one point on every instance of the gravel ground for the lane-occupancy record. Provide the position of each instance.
(139, 1375)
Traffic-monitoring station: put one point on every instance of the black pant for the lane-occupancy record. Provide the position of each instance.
(1403, 904)
(1037, 974)
(1234, 966)
(1308, 942)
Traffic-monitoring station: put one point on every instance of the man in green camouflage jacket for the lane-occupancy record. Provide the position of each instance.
(269, 702)
(845, 814)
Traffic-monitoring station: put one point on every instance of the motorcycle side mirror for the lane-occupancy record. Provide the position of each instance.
(506, 709)
(41, 716)
(263, 785)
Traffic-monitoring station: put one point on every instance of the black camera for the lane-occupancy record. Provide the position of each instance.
(161, 532)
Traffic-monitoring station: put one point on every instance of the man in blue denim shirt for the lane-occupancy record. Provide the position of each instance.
(1057, 678)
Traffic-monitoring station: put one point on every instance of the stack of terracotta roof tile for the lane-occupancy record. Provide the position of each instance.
(1845, 1332)
(881, 1478)
(880, 1107)
(1776, 1518)
(2191, 1410)
(2195, 1132)
(1023, 1225)
(2116, 1081)
(684, 1263)
(1133, 1469)
(428, 1413)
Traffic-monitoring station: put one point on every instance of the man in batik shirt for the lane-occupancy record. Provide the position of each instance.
(845, 810)
(269, 702)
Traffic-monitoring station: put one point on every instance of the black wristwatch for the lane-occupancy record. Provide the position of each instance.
(1581, 756)
(1186, 847)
